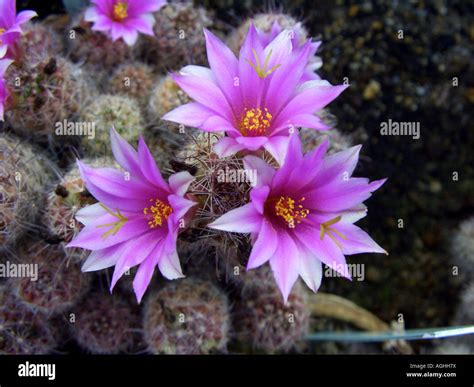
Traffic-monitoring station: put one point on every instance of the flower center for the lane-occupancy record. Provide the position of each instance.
(157, 213)
(120, 11)
(255, 122)
(2, 31)
(289, 210)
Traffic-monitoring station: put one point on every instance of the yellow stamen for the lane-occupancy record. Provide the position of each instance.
(255, 122)
(292, 213)
(2, 31)
(326, 229)
(114, 226)
(120, 11)
(262, 72)
(157, 213)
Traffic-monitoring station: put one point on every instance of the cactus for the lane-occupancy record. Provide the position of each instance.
(262, 321)
(217, 191)
(164, 137)
(132, 80)
(95, 49)
(38, 42)
(22, 331)
(186, 317)
(67, 197)
(178, 37)
(24, 172)
(107, 111)
(105, 324)
(164, 97)
(201, 257)
(44, 93)
(215, 187)
(60, 283)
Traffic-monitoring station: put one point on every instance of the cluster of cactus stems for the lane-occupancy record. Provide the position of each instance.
(76, 74)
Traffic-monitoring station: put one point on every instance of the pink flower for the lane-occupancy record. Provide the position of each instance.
(4, 63)
(10, 26)
(123, 18)
(258, 99)
(314, 63)
(303, 214)
(137, 219)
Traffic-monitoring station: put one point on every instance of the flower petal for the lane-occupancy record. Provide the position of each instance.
(217, 123)
(115, 183)
(179, 182)
(310, 268)
(340, 196)
(140, 7)
(258, 169)
(203, 89)
(337, 167)
(124, 153)
(308, 121)
(224, 66)
(4, 64)
(264, 247)
(277, 146)
(170, 266)
(258, 196)
(245, 219)
(227, 146)
(89, 214)
(284, 264)
(191, 114)
(285, 79)
(91, 14)
(180, 205)
(326, 250)
(312, 98)
(25, 16)
(149, 168)
(356, 240)
(143, 24)
(250, 83)
(129, 35)
(134, 253)
(102, 259)
(102, 23)
(278, 50)
(145, 271)
(252, 143)
(293, 159)
(91, 236)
